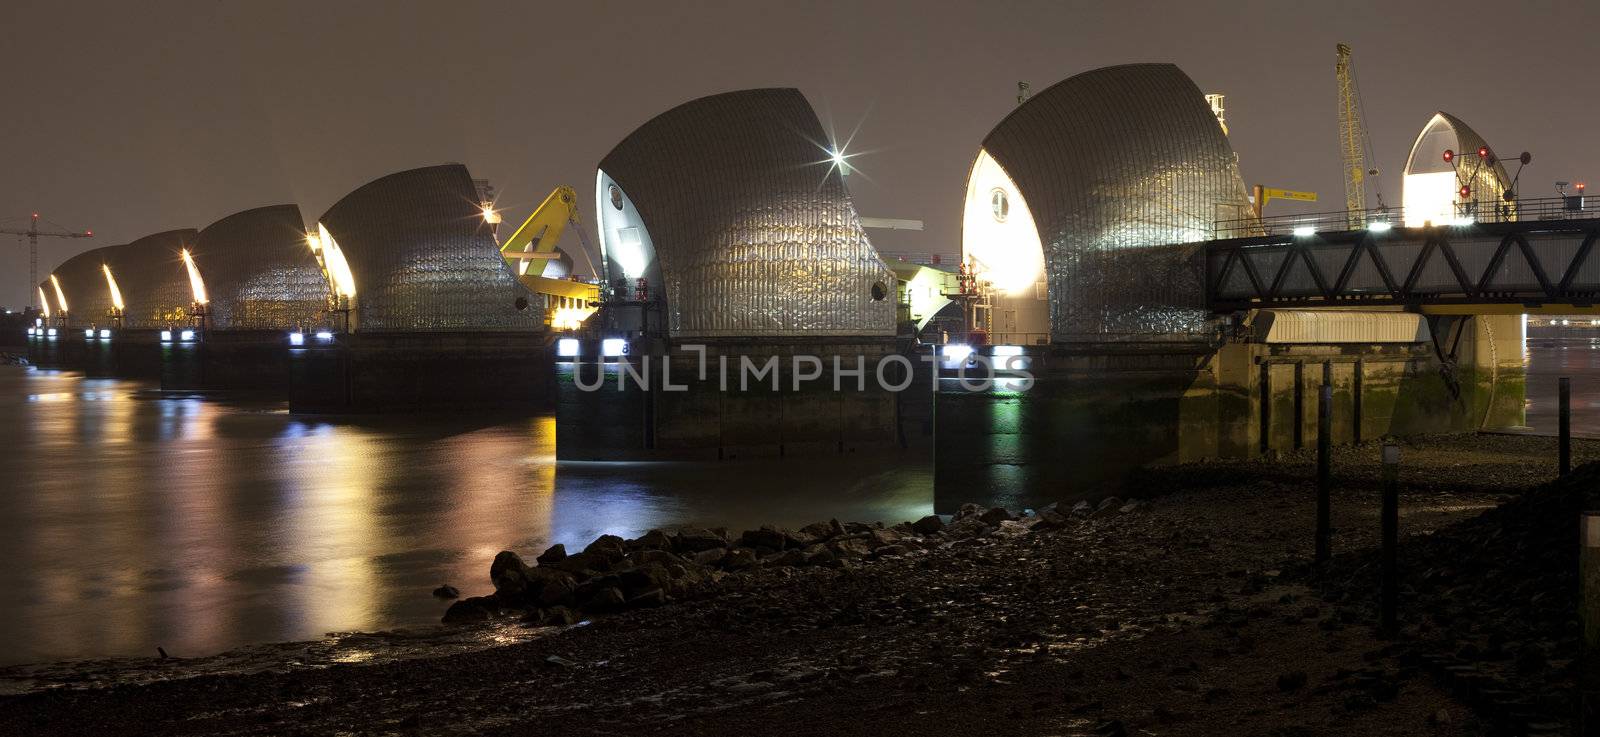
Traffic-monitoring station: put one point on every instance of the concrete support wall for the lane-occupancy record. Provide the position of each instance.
(1095, 414)
(421, 372)
(729, 413)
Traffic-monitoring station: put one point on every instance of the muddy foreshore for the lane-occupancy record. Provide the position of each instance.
(1192, 612)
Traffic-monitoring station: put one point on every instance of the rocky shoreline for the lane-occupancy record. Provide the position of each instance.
(1193, 612)
(612, 574)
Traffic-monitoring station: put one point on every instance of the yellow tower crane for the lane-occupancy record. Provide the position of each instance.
(1353, 142)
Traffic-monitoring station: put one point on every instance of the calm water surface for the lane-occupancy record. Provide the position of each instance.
(131, 519)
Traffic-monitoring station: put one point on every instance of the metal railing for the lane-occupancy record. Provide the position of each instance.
(1572, 207)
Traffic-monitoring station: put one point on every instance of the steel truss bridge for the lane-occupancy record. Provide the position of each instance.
(1513, 266)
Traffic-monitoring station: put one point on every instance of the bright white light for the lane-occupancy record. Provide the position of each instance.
(1379, 227)
(1007, 350)
(51, 332)
(324, 336)
(166, 336)
(1429, 197)
(1304, 230)
(186, 335)
(567, 347)
(44, 304)
(297, 338)
(30, 331)
(612, 346)
(998, 235)
(88, 332)
(490, 216)
(1462, 222)
(105, 334)
(955, 353)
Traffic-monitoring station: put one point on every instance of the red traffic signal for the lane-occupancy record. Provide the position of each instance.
(1580, 186)
(1466, 191)
(1449, 155)
(1483, 152)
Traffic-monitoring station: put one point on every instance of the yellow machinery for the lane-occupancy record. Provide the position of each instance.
(567, 303)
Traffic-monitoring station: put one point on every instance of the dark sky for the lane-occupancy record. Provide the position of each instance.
(134, 117)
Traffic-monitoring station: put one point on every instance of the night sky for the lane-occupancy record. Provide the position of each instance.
(130, 118)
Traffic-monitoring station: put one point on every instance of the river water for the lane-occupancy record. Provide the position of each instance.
(131, 519)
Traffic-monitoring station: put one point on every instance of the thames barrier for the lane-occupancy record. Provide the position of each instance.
(1061, 406)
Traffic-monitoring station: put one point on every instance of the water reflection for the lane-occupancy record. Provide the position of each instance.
(133, 520)
(1551, 355)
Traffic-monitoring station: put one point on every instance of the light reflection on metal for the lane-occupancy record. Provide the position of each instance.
(61, 299)
(197, 286)
(84, 285)
(1117, 164)
(158, 292)
(257, 272)
(744, 230)
(44, 304)
(417, 244)
(111, 286)
(340, 279)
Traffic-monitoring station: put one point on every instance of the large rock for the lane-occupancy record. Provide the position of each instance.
(610, 546)
(1049, 519)
(928, 525)
(662, 557)
(766, 537)
(694, 540)
(824, 530)
(739, 559)
(607, 599)
(818, 554)
(554, 554)
(880, 538)
(652, 540)
(995, 516)
(851, 548)
(509, 575)
(549, 587)
(709, 556)
(472, 609)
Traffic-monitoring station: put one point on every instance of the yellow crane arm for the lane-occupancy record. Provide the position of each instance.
(534, 242)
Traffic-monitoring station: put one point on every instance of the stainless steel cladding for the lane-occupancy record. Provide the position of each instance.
(83, 283)
(1116, 165)
(422, 258)
(259, 272)
(732, 212)
(155, 285)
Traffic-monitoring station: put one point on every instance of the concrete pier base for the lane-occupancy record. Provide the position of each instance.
(737, 408)
(1098, 412)
(420, 372)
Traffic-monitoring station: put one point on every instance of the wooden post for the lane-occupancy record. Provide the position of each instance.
(1389, 590)
(1324, 542)
(1588, 722)
(1566, 426)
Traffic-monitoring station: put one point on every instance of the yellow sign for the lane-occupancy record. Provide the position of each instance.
(1289, 194)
